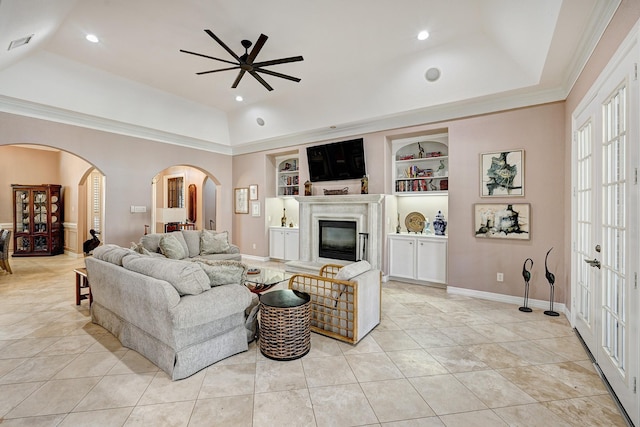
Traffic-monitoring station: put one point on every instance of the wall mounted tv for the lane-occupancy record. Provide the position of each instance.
(337, 161)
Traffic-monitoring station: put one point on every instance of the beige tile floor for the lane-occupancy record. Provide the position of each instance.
(435, 360)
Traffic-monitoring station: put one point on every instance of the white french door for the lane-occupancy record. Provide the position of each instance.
(604, 229)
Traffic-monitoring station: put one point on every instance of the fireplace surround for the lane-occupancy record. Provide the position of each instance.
(364, 210)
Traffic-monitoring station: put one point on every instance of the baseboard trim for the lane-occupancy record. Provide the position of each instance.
(509, 299)
(255, 258)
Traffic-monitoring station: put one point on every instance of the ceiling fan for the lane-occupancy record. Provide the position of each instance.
(245, 62)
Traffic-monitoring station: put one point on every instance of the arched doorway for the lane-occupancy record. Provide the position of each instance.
(184, 194)
(38, 164)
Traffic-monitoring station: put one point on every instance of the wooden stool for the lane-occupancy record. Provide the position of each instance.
(82, 282)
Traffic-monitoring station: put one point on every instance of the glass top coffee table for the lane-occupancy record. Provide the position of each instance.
(264, 278)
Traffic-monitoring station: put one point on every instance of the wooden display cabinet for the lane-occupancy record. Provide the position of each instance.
(37, 220)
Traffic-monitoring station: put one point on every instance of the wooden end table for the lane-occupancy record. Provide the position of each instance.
(82, 282)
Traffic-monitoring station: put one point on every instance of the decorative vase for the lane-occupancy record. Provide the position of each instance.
(283, 220)
(439, 224)
(398, 226)
(364, 185)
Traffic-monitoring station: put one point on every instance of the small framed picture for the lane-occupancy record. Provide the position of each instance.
(502, 220)
(255, 208)
(253, 192)
(502, 174)
(241, 200)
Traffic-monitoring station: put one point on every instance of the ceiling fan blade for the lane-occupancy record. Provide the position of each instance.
(215, 71)
(279, 61)
(237, 81)
(273, 73)
(221, 43)
(207, 56)
(256, 48)
(261, 80)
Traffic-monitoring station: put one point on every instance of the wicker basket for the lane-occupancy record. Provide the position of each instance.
(284, 331)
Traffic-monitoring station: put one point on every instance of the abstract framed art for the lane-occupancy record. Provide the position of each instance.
(502, 220)
(502, 174)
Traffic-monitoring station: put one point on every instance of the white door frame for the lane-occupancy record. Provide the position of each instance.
(627, 56)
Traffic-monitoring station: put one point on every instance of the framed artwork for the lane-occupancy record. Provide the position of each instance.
(255, 208)
(253, 192)
(241, 200)
(502, 174)
(502, 221)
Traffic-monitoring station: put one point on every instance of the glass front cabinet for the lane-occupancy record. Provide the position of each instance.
(37, 220)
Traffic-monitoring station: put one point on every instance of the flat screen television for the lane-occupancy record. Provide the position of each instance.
(337, 161)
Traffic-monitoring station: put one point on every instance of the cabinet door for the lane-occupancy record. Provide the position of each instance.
(291, 244)
(276, 244)
(401, 257)
(432, 261)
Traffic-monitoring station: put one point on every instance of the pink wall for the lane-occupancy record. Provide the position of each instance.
(473, 262)
(20, 166)
(129, 165)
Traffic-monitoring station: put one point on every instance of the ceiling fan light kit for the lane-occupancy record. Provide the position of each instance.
(246, 62)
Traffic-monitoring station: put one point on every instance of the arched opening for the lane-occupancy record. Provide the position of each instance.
(183, 196)
(38, 164)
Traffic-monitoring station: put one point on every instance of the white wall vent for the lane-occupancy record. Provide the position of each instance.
(20, 42)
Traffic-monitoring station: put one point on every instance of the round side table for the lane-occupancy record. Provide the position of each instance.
(285, 316)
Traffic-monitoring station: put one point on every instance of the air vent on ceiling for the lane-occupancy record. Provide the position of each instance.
(20, 42)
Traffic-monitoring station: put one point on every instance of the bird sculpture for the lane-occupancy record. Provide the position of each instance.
(526, 275)
(551, 278)
(92, 243)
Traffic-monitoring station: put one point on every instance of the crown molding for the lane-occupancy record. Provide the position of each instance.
(434, 114)
(59, 115)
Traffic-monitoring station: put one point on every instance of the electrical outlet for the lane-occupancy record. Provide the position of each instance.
(254, 246)
(500, 277)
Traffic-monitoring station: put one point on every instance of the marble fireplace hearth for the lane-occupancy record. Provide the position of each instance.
(364, 209)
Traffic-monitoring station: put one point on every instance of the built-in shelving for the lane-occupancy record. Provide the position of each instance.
(288, 181)
(420, 167)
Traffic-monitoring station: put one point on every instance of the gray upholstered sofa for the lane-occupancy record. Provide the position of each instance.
(196, 243)
(168, 310)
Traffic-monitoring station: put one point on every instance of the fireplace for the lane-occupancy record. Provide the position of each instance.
(363, 210)
(337, 240)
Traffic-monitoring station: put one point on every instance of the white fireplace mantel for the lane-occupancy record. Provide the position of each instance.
(364, 209)
(346, 198)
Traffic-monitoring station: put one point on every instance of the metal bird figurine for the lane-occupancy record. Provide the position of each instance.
(526, 275)
(92, 243)
(551, 279)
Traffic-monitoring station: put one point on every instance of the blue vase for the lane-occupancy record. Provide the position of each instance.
(439, 224)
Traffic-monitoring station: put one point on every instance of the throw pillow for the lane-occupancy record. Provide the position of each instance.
(350, 271)
(186, 277)
(171, 247)
(223, 272)
(112, 253)
(213, 243)
(139, 248)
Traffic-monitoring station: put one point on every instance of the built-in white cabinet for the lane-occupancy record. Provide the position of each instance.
(284, 243)
(417, 257)
(421, 166)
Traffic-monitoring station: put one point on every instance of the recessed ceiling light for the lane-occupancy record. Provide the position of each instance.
(432, 74)
(239, 98)
(423, 35)
(92, 38)
(260, 121)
